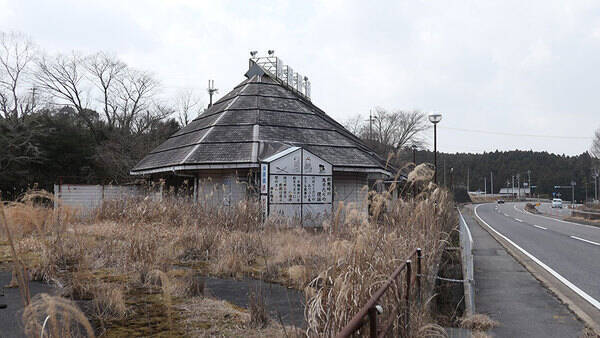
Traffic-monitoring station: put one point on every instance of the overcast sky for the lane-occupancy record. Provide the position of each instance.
(505, 67)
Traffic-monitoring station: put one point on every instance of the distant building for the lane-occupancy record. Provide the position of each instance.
(267, 138)
(516, 191)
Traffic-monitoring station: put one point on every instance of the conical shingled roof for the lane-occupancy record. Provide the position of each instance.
(258, 118)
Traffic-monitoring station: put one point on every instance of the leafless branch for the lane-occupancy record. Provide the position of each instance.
(17, 53)
(106, 73)
(188, 106)
(596, 145)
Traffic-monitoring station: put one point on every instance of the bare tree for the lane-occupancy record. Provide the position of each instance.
(134, 100)
(147, 120)
(388, 131)
(596, 145)
(106, 73)
(63, 78)
(17, 54)
(356, 125)
(188, 106)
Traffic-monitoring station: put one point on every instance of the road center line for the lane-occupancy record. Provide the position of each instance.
(585, 240)
(562, 221)
(537, 226)
(518, 220)
(506, 215)
(562, 279)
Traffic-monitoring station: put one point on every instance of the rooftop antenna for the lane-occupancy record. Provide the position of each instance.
(211, 90)
(274, 66)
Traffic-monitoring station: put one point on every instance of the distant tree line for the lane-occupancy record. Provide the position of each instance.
(88, 118)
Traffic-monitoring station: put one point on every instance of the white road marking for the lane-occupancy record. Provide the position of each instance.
(517, 209)
(506, 215)
(585, 240)
(518, 220)
(560, 220)
(537, 226)
(565, 281)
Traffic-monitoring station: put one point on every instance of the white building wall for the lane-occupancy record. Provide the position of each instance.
(85, 198)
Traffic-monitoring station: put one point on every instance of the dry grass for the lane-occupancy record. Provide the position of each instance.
(371, 253)
(138, 261)
(478, 322)
(109, 302)
(55, 316)
(205, 317)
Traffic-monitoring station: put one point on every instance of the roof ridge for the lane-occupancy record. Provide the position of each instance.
(319, 112)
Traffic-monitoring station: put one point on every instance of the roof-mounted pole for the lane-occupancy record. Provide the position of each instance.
(211, 90)
(274, 66)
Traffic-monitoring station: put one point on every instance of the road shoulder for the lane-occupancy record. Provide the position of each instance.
(508, 293)
(585, 311)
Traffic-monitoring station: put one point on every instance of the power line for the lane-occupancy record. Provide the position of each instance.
(515, 134)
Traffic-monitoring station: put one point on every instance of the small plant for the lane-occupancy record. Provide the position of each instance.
(478, 322)
(259, 317)
(109, 302)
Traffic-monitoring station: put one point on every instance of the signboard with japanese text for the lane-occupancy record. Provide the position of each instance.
(296, 183)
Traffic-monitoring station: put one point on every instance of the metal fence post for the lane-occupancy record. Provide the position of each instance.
(407, 298)
(372, 322)
(419, 274)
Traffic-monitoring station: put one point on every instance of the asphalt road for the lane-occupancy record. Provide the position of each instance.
(511, 295)
(546, 208)
(572, 250)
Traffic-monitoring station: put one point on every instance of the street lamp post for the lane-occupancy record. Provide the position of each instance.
(414, 149)
(435, 118)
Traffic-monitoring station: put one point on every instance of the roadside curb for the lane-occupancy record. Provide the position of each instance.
(547, 280)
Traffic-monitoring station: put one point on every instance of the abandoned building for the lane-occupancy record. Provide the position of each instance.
(267, 138)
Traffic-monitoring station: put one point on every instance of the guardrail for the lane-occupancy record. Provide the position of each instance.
(401, 311)
(585, 214)
(466, 249)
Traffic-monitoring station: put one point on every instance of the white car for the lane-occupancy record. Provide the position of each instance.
(557, 203)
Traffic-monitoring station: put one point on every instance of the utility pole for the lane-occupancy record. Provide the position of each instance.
(519, 186)
(451, 179)
(484, 185)
(371, 125)
(595, 174)
(572, 193)
(596, 187)
(468, 169)
(491, 182)
(529, 181)
(33, 90)
(512, 190)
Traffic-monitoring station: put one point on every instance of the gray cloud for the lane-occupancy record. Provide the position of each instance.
(525, 68)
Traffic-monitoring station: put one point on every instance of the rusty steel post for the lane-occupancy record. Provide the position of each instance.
(419, 274)
(407, 298)
(372, 322)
